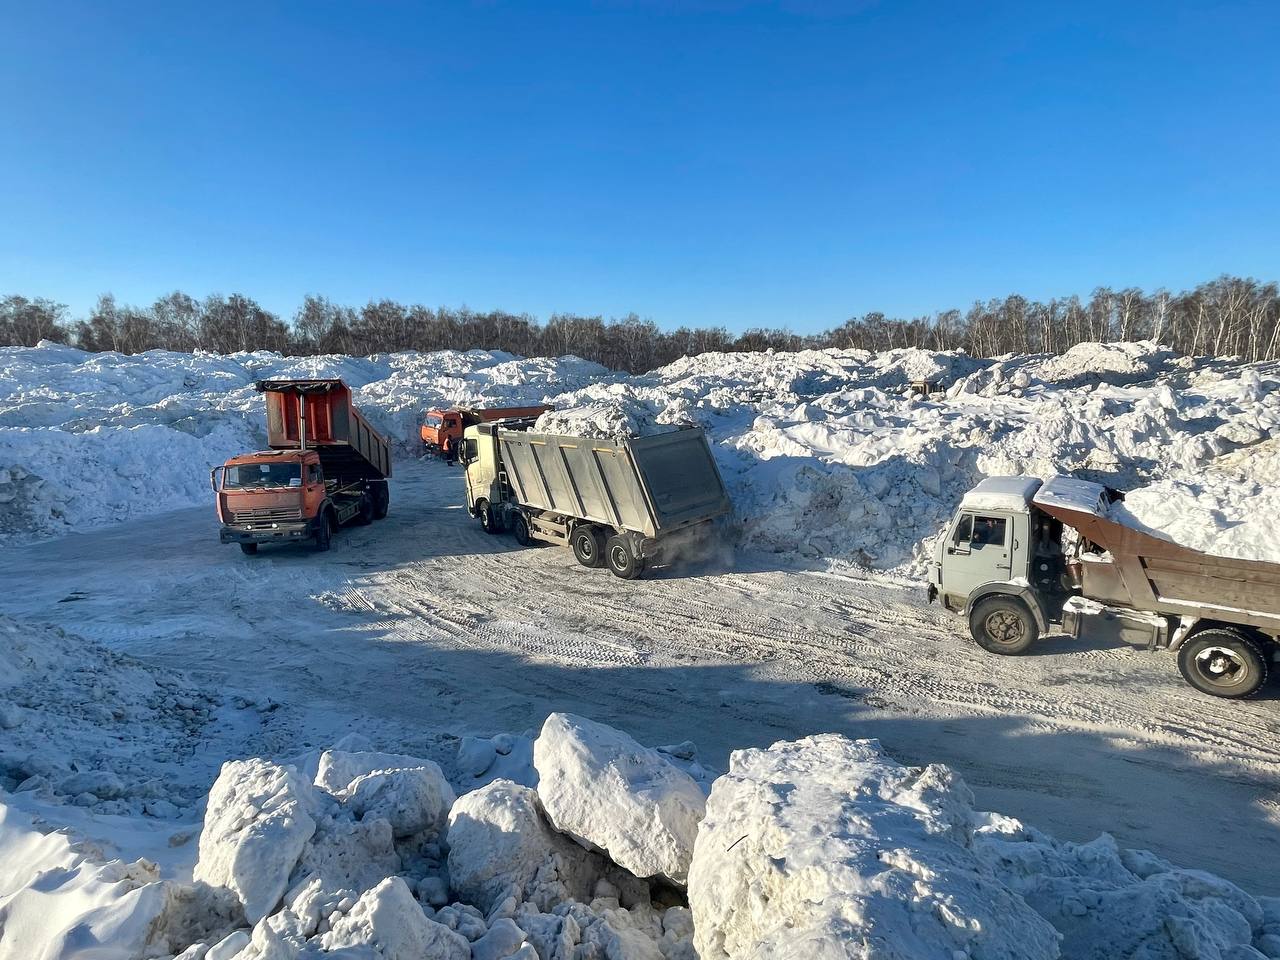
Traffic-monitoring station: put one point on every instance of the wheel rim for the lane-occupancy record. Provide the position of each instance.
(618, 557)
(1221, 666)
(587, 547)
(1005, 627)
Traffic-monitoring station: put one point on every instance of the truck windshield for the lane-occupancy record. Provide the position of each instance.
(246, 475)
(433, 419)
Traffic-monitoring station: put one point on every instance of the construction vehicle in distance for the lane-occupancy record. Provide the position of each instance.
(622, 505)
(1021, 556)
(441, 430)
(326, 467)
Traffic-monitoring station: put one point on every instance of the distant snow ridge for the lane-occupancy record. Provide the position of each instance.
(819, 848)
(826, 453)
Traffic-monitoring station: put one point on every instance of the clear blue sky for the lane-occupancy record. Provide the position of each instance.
(698, 163)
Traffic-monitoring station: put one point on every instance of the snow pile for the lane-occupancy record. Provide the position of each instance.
(89, 438)
(828, 848)
(1228, 509)
(73, 718)
(604, 413)
(826, 454)
(819, 848)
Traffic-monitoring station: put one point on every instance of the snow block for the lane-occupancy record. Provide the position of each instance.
(412, 800)
(501, 845)
(611, 794)
(258, 821)
(338, 768)
(388, 919)
(826, 847)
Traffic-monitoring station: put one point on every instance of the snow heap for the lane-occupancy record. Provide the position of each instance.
(73, 715)
(1228, 509)
(826, 453)
(819, 848)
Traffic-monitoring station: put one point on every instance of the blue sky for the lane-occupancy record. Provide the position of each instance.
(697, 163)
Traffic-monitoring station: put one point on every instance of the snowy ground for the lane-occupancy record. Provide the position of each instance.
(418, 632)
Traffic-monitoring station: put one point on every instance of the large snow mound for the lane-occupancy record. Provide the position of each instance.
(820, 848)
(826, 453)
(827, 848)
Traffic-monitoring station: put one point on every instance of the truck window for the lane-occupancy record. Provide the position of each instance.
(246, 475)
(989, 531)
(469, 451)
(964, 529)
(313, 474)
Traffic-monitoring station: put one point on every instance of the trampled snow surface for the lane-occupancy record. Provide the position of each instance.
(825, 452)
(813, 849)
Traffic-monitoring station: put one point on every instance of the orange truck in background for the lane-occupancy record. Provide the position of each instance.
(442, 429)
(326, 467)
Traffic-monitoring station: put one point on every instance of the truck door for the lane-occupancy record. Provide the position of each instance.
(978, 551)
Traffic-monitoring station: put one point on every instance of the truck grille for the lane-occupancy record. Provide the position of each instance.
(266, 513)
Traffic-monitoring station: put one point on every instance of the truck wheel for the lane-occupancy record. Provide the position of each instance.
(249, 548)
(520, 530)
(489, 521)
(1223, 663)
(1003, 625)
(324, 533)
(365, 516)
(381, 499)
(588, 545)
(621, 560)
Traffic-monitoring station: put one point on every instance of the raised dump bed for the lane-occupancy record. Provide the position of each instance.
(615, 503)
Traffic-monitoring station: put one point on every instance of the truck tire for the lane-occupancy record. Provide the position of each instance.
(489, 521)
(381, 499)
(365, 516)
(1223, 663)
(324, 532)
(1003, 625)
(588, 545)
(520, 530)
(621, 560)
(249, 548)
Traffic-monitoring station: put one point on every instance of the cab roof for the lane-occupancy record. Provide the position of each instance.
(1002, 493)
(292, 453)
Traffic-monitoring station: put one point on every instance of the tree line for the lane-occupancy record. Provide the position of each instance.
(1229, 316)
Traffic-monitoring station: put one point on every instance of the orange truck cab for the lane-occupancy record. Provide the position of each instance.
(442, 429)
(326, 468)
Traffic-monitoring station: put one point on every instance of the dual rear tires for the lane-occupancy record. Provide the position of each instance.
(594, 548)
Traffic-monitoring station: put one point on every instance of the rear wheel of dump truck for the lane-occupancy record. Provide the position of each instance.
(621, 560)
(588, 545)
(1223, 662)
(488, 517)
(1003, 625)
(520, 530)
(365, 515)
(381, 498)
(324, 531)
(249, 548)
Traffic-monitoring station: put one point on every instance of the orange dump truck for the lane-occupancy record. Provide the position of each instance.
(442, 429)
(326, 467)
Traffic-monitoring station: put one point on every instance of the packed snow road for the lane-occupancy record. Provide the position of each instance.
(422, 626)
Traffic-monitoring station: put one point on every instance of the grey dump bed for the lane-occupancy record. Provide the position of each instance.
(651, 485)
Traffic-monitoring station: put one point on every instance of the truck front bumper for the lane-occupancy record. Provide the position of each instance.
(267, 532)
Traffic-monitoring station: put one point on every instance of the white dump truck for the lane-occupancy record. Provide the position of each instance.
(1022, 556)
(617, 504)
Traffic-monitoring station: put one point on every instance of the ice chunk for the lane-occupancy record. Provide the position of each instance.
(501, 845)
(259, 818)
(611, 794)
(412, 800)
(389, 918)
